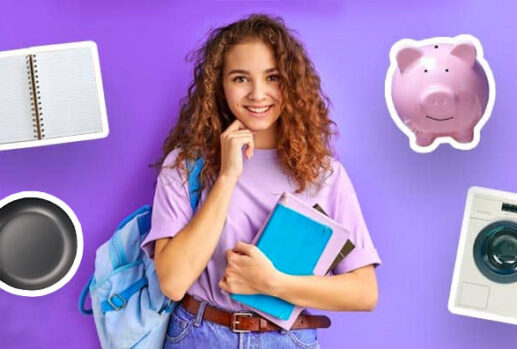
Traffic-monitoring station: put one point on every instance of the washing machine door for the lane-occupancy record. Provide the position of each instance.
(495, 251)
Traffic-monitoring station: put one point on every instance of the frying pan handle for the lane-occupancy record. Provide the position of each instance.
(82, 298)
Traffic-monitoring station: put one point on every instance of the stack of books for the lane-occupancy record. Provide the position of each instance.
(299, 239)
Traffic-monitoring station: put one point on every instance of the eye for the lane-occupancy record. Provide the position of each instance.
(275, 77)
(446, 70)
(425, 70)
(239, 78)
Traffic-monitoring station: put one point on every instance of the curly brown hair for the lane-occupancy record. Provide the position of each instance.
(304, 126)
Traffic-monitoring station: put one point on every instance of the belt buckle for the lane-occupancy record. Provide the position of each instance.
(235, 321)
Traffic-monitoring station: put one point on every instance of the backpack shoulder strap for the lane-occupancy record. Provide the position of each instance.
(194, 168)
(194, 182)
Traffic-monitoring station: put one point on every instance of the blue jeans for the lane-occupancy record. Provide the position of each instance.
(192, 331)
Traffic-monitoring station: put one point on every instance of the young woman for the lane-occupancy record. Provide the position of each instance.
(256, 115)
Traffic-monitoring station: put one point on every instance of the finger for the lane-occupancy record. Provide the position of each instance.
(234, 126)
(250, 147)
(222, 284)
(241, 132)
(230, 258)
(235, 261)
(244, 135)
(244, 248)
(245, 141)
(233, 258)
(241, 137)
(227, 285)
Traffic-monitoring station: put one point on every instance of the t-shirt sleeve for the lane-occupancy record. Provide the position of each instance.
(171, 206)
(348, 212)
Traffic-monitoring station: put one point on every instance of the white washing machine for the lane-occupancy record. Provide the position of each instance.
(484, 283)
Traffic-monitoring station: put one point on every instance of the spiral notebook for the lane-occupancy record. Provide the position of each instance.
(299, 240)
(51, 94)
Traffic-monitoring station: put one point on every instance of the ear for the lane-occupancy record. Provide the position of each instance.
(408, 56)
(466, 52)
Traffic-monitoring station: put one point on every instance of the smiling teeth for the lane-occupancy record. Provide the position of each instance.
(258, 110)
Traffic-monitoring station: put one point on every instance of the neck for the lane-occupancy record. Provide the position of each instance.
(266, 139)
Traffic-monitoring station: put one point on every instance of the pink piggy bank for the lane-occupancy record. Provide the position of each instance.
(440, 89)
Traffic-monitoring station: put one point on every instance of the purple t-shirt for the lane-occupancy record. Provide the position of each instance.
(256, 193)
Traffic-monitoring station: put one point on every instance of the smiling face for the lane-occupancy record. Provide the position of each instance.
(251, 84)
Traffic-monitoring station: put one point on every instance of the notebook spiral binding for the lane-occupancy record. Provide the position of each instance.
(37, 113)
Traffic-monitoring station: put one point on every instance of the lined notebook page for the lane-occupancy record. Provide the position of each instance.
(15, 104)
(69, 94)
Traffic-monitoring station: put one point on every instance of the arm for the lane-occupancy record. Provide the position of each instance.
(249, 271)
(180, 260)
(353, 291)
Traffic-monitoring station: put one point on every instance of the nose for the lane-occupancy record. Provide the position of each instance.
(438, 101)
(257, 92)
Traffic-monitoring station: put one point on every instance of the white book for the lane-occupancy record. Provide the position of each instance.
(51, 94)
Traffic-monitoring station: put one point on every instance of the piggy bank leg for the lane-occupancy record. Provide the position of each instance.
(424, 140)
(464, 137)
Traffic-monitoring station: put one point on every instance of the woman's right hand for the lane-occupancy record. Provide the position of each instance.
(232, 140)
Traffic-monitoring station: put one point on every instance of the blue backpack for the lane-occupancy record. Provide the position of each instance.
(128, 306)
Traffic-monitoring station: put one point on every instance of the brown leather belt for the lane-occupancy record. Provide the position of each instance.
(247, 321)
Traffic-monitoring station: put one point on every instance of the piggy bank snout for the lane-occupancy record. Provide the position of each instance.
(438, 101)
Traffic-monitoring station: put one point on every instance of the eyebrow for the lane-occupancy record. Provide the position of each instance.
(240, 71)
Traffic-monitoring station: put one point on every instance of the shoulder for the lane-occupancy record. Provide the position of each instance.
(170, 159)
(169, 168)
(337, 174)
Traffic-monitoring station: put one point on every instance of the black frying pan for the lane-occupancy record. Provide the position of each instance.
(38, 243)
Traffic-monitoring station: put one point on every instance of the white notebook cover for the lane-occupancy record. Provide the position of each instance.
(87, 109)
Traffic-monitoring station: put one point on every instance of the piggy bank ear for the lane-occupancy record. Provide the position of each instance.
(408, 56)
(466, 51)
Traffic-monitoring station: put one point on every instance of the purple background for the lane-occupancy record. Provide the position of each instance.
(413, 203)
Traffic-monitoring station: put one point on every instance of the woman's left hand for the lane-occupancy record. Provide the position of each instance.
(248, 271)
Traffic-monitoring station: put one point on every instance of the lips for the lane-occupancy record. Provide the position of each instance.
(438, 119)
(259, 110)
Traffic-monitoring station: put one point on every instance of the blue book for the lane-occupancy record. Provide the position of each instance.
(294, 243)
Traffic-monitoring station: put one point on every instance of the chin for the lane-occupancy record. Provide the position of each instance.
(255, 125)
(259, 126)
